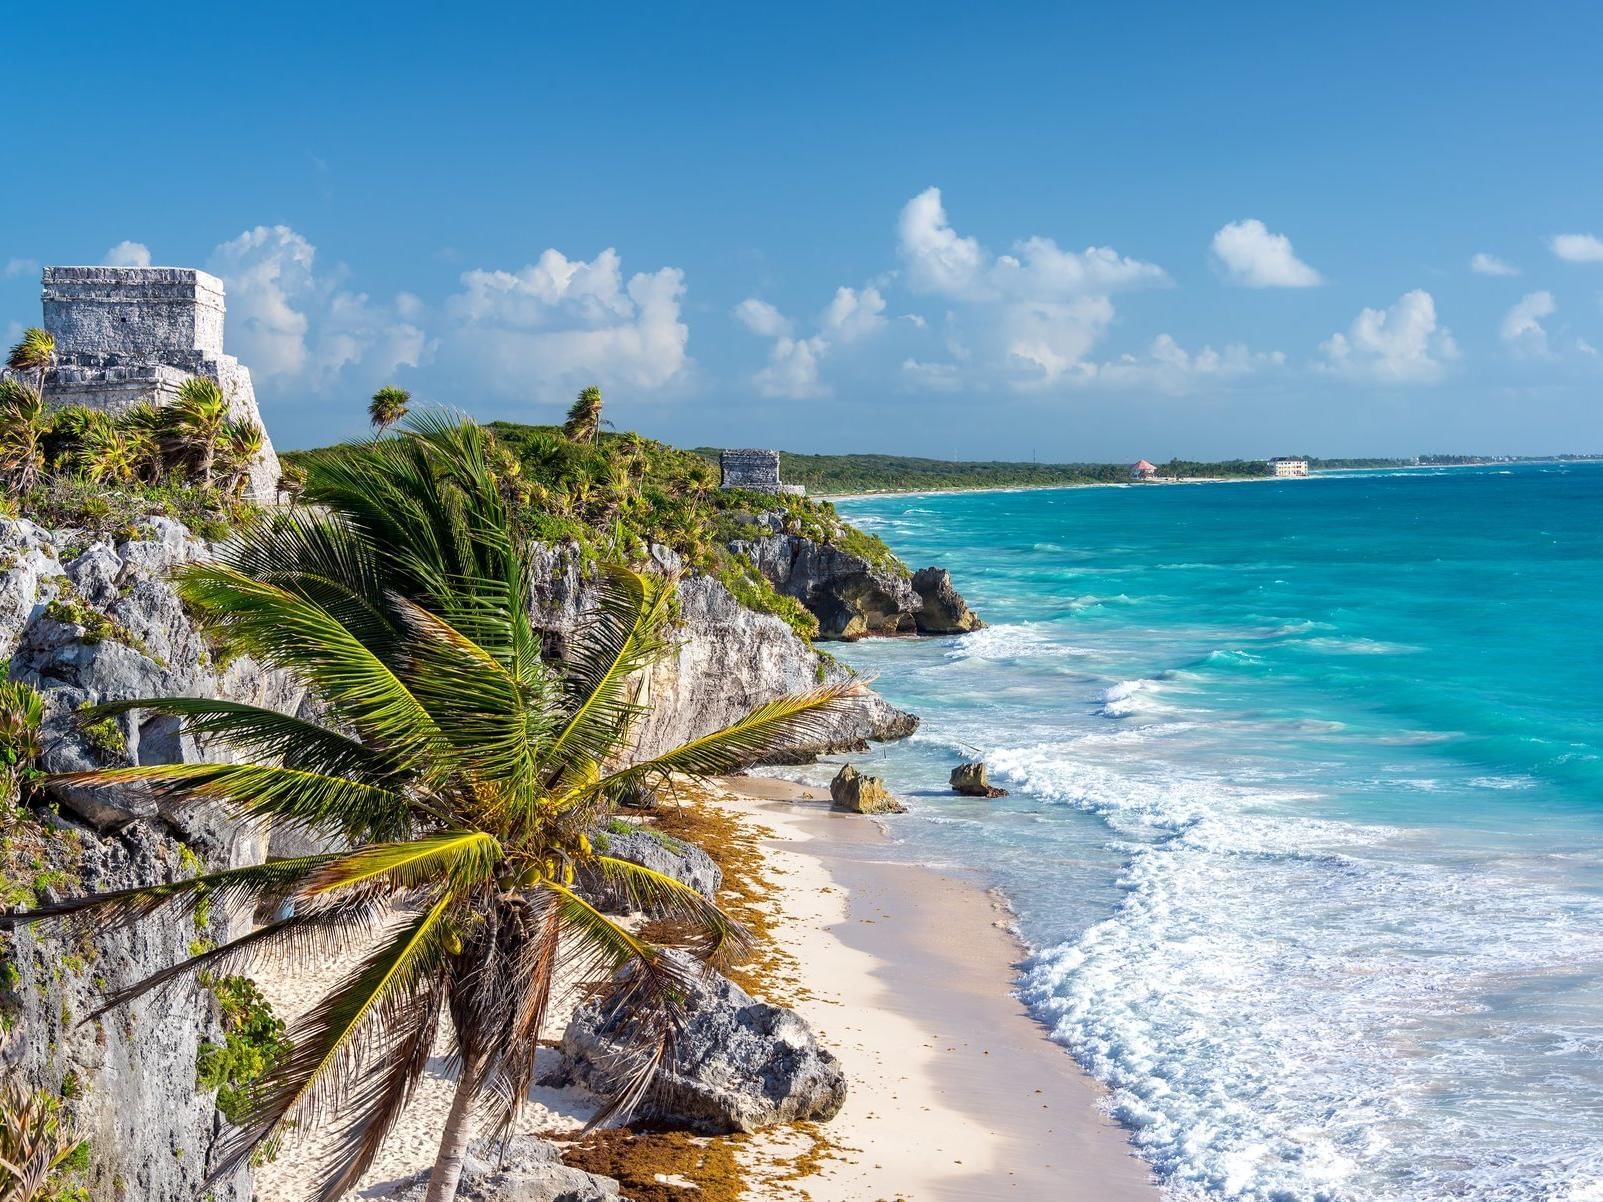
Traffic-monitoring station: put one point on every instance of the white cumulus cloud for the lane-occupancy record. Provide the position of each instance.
(852, 315)
(559, 324)
(1254, 257)
(937, 258)
(1399, 345)
(16, 267)
(1485, 264)
(1168, 367)
(793, 368)
(286, 319)
(1578, 248)
(761, 318)
(1029, 317)
(1522, 325)
(128, 254)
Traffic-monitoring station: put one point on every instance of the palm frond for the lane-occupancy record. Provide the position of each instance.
(289, 631)
(235, 889)
(624, 635)
(452, 860)
(770, 726)
(356, 1019)
(644, 1000)
(262, 734)
(296, 797)
(313, 935)
(718, 938)
(322, 558)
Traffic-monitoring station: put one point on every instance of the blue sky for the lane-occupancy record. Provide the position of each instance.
(1066, 231)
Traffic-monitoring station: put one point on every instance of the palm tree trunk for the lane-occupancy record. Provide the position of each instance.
(455, 1138)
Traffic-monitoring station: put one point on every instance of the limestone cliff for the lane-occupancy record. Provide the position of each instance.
(92, 624)
(851, 596)
(729, 659)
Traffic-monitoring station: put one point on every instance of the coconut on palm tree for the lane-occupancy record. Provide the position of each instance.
(584, 416)
(388, 406)
(23, 426)
(468, 773)
(196, 422)
(34, 352)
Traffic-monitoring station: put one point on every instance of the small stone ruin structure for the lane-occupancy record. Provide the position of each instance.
(128, 336)
(756, 470)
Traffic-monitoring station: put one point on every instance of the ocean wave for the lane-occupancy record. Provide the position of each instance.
(1247, 1003)
(1355, 646)
(1119, 701)
(1010, 641)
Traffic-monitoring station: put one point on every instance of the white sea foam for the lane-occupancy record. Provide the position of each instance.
(1279, 1001)
(1120, 700)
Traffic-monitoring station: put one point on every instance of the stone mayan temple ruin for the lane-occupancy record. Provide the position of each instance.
(756, 470)
(127, 336)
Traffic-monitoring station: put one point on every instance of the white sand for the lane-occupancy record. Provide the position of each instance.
(955, 1093)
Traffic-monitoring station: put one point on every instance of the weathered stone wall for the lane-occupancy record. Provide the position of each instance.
(754, 469)
(115, 389)
(128, 336)
(143, 314)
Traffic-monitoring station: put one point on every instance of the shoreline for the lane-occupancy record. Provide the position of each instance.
(1312, 475)
(1002, 488)
(957, 1093)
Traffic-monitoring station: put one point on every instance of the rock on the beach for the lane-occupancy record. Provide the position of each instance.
(970, 780)
(525, 1169)
(739, 1064)
(943, 611)
(851, 790)
(685, 862)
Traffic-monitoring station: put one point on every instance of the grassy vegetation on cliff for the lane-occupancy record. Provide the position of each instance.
(837, 474)
(614, 495)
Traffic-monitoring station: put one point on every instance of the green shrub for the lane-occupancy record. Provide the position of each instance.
(104, 735)
(253, 1046)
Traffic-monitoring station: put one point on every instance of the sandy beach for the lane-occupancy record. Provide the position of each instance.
(955, 1092)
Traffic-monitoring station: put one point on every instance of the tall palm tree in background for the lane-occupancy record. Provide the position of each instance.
(387, 407)
(467, 771)
(196, 422)
(23, 425)
(584, 416)
(34, 352)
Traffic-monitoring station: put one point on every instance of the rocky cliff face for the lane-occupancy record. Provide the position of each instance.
(84, 625)
(851, 597)
(729, 660)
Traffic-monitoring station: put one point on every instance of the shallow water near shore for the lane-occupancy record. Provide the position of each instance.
(1306, 813)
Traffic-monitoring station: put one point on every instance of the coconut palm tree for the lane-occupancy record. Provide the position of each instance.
(241, 443)
(387, 407)
(34, 352)
(196, 422)
(466, 770)
(105, 453)
(23, 426)
(584, 416)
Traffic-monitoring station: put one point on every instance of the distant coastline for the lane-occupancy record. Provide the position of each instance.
(1314, 474)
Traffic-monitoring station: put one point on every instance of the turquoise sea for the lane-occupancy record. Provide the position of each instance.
(1306, 816)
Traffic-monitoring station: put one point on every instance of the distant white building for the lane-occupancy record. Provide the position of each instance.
(1289, 467)
(1142, 470)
